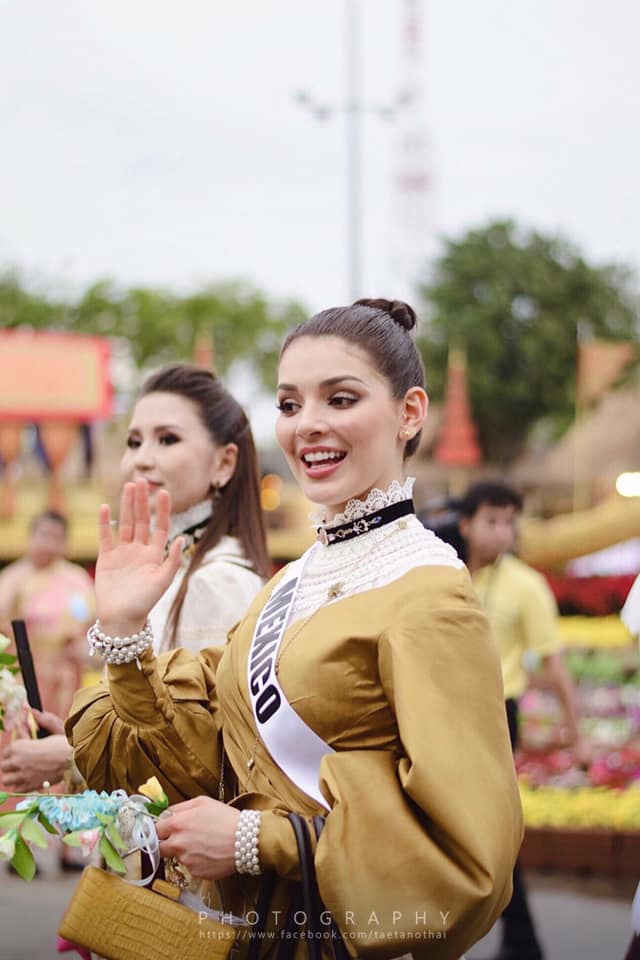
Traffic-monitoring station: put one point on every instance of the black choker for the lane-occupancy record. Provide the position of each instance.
(191, 536)
(370, 521)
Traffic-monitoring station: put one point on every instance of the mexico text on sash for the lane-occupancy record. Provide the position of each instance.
(294, 746)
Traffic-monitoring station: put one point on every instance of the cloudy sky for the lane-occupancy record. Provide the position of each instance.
(160, 142)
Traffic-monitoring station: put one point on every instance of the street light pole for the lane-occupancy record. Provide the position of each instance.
(353, 108)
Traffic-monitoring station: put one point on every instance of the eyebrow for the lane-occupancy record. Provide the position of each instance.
(165, 426)
(330, 382)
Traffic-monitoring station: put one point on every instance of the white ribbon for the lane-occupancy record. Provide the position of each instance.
(143, 835)
(294, 746)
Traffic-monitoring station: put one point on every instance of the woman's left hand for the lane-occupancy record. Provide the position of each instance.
(26, 764)
(201, 833)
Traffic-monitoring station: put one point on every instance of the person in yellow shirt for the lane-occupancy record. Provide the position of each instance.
(522, 614)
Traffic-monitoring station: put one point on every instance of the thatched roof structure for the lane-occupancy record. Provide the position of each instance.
(603, 443)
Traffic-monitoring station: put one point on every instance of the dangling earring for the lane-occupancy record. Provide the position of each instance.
(216, 494)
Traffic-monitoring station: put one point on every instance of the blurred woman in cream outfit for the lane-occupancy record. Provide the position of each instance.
(189, 437)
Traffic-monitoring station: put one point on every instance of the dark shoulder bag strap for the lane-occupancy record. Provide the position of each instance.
(310, 897)
(288, 939)
(339, 949)
(313, 905)
(265, 893)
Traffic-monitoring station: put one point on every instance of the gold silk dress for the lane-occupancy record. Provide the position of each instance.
(393, 667)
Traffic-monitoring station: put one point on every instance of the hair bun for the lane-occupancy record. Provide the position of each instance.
(399, 311)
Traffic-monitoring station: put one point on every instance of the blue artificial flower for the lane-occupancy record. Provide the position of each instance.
(75, 813)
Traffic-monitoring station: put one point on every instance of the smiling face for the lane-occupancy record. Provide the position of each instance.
(169, 446)
(339, 425)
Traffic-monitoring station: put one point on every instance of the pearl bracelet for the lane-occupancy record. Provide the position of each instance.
(246, 846)
(119, 649)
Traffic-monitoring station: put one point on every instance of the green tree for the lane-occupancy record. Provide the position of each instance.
(515, 300)
(161, 325)
(21, 307)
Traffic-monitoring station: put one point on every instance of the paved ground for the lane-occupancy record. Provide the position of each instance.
(579, 919)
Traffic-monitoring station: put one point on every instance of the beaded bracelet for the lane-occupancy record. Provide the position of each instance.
(246, 846)
(119, 649)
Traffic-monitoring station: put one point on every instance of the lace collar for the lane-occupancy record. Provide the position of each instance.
(376, 499)
(190, 523)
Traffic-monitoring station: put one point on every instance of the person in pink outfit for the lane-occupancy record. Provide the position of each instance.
(55, 598)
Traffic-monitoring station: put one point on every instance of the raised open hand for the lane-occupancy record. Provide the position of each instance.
(132, 573)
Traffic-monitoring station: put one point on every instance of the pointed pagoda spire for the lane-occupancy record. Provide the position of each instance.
(204, 353)
(458, 442)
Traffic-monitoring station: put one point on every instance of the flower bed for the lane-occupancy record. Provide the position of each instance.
(586, 829)
(583, 808)
(594, 596)
(585, 819)
(589, 609)
(605, 632)
(610, 713)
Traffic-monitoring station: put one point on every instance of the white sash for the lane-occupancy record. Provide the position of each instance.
(292, 744)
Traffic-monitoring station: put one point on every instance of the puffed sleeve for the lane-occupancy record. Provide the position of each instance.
(419, 846)
(161, 720)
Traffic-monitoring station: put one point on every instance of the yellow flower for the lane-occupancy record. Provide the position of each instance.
(153, 790)
(581, 808)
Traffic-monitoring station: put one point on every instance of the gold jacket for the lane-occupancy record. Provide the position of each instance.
(404, 683)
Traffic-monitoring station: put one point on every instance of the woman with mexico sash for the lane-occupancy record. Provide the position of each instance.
(361, 684)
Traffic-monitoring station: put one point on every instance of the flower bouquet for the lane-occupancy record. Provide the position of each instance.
(13, 696)
(116, 822)
(165, 920)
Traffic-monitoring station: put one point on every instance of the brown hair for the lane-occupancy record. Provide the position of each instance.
(382, 328)
(52, 516)
(489, 493)
(237, 510)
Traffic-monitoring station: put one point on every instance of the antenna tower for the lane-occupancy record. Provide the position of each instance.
(412, 218)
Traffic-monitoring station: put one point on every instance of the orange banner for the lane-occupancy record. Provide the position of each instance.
(54, 376)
